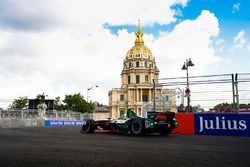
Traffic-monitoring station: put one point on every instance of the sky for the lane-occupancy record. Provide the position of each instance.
(64, 47)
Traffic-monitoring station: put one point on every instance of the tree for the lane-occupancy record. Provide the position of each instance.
(231, 105)
(76, 102)
(245, 105)
(20, 103)
(58, 104)
(224, 105)
(41, 98)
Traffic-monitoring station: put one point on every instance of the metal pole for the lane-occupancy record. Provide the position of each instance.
(237, 93)
(154, 107)
(164, 103)
(233, 91)
(188, 96)
(88, 94)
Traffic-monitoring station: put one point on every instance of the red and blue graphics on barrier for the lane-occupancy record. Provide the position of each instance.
(185, 123)
(62, 123)
(222, 124)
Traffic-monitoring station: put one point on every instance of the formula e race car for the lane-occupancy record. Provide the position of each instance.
(156, 122)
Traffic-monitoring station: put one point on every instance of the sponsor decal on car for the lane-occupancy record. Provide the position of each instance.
(147, 124)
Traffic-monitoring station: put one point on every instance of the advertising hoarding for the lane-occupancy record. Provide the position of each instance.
(63, 123)
(222, 124)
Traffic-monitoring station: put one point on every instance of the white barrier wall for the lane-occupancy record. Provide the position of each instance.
(28, 118)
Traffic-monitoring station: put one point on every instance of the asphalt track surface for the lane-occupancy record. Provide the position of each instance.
(65, 146)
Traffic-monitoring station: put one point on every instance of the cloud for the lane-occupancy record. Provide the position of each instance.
(27, 15)
(236, 8)
(63, 47)
(248, 47)
(219, 42)
(84, 14)
(189, 39)
(239, 40)
(240, 37)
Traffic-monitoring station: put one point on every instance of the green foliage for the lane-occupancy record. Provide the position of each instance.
(58, 104)
(224, 105)
(20, 103)
(231, 105)
(76, 102)
(41, 98)
(245, 105)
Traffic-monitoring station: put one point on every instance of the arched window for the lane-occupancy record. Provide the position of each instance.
(137, 64)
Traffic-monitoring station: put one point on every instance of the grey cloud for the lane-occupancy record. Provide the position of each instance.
(29, 15)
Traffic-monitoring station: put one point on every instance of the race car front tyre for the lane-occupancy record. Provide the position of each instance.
(137, 126)
(89, 126)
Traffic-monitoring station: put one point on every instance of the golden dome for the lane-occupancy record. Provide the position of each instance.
(139, 50)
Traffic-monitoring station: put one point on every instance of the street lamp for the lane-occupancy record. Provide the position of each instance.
(185, 66)
(95, 86)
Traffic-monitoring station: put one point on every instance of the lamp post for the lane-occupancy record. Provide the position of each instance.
(154, 94)
(185, 66)
(95, 86)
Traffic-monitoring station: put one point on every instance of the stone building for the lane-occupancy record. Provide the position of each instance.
(139, 70)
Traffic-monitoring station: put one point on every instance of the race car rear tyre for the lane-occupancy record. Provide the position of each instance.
(164, 131)
(89, 127)
(137, 126)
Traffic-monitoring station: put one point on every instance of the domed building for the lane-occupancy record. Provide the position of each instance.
(139, 70)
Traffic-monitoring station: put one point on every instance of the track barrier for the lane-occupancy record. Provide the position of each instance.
(185, 123)
(62, 123)
(213, 124)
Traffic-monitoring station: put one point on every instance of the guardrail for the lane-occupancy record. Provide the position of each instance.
(30, 118)
(13, 123)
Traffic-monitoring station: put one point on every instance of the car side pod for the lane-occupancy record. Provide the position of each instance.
(88, 127)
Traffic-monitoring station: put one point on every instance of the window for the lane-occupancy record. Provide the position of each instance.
(146, 64)
(144, 98)
(122, 112)
(137, 64)
(129, 64)
(128, 79)
(146, 78)
(138, 56)
(137, 79)
(121, 97)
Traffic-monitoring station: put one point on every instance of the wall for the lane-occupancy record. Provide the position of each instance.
(213, 124)
(185, 123)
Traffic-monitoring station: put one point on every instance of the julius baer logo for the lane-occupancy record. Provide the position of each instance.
(221, 123)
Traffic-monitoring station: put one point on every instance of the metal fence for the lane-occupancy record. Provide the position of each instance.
(242, 84)
(28, 118)
(210, 93)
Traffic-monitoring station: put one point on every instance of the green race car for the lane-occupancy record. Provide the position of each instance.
(156, 122)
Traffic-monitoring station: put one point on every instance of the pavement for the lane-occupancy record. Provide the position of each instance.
(67, 147)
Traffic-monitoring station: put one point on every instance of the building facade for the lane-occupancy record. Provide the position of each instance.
(139, 71)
